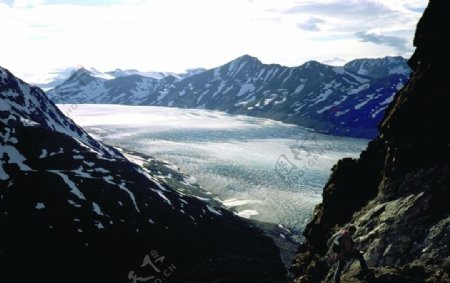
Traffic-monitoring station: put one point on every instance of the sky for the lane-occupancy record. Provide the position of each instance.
(38, 36)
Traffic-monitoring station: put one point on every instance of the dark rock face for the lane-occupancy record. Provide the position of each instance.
(75, 210)
(397, 193)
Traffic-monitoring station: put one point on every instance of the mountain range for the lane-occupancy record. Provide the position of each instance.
(58, 76)
(348, 100)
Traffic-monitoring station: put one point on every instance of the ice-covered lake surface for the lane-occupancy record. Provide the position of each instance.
(263, 169)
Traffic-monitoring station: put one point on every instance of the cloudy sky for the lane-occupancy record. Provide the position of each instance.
(37, 36)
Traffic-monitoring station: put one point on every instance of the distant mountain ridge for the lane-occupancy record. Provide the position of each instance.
(378, 68)
(57, 77)
(348, 100)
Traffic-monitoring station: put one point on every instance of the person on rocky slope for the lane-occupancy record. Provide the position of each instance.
(344, 248)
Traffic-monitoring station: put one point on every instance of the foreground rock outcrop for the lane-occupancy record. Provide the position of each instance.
(398, 192)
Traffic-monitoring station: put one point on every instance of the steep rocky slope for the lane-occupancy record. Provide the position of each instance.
(398, 192)
(74, 210)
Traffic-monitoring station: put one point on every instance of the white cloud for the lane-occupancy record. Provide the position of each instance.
(27, 3)
(172, 35)
(399, 43)
(312, 24)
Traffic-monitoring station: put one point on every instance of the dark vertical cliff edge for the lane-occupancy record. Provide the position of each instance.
(398, 192)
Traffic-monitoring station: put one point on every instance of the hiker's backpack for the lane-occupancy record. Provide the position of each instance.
(337, 245)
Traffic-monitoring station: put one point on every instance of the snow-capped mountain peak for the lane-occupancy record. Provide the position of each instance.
(56, 77)
(98, 74)
(85, 74)
(155, 75)
(28, 104)
(312, 64)
(377, 68)
(246, 60)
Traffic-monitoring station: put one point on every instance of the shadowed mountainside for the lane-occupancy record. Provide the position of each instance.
(75, 210)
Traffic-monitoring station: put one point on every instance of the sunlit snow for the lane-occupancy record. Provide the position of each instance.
(262, 169)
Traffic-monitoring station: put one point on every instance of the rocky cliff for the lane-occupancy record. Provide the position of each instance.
(398, 192)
